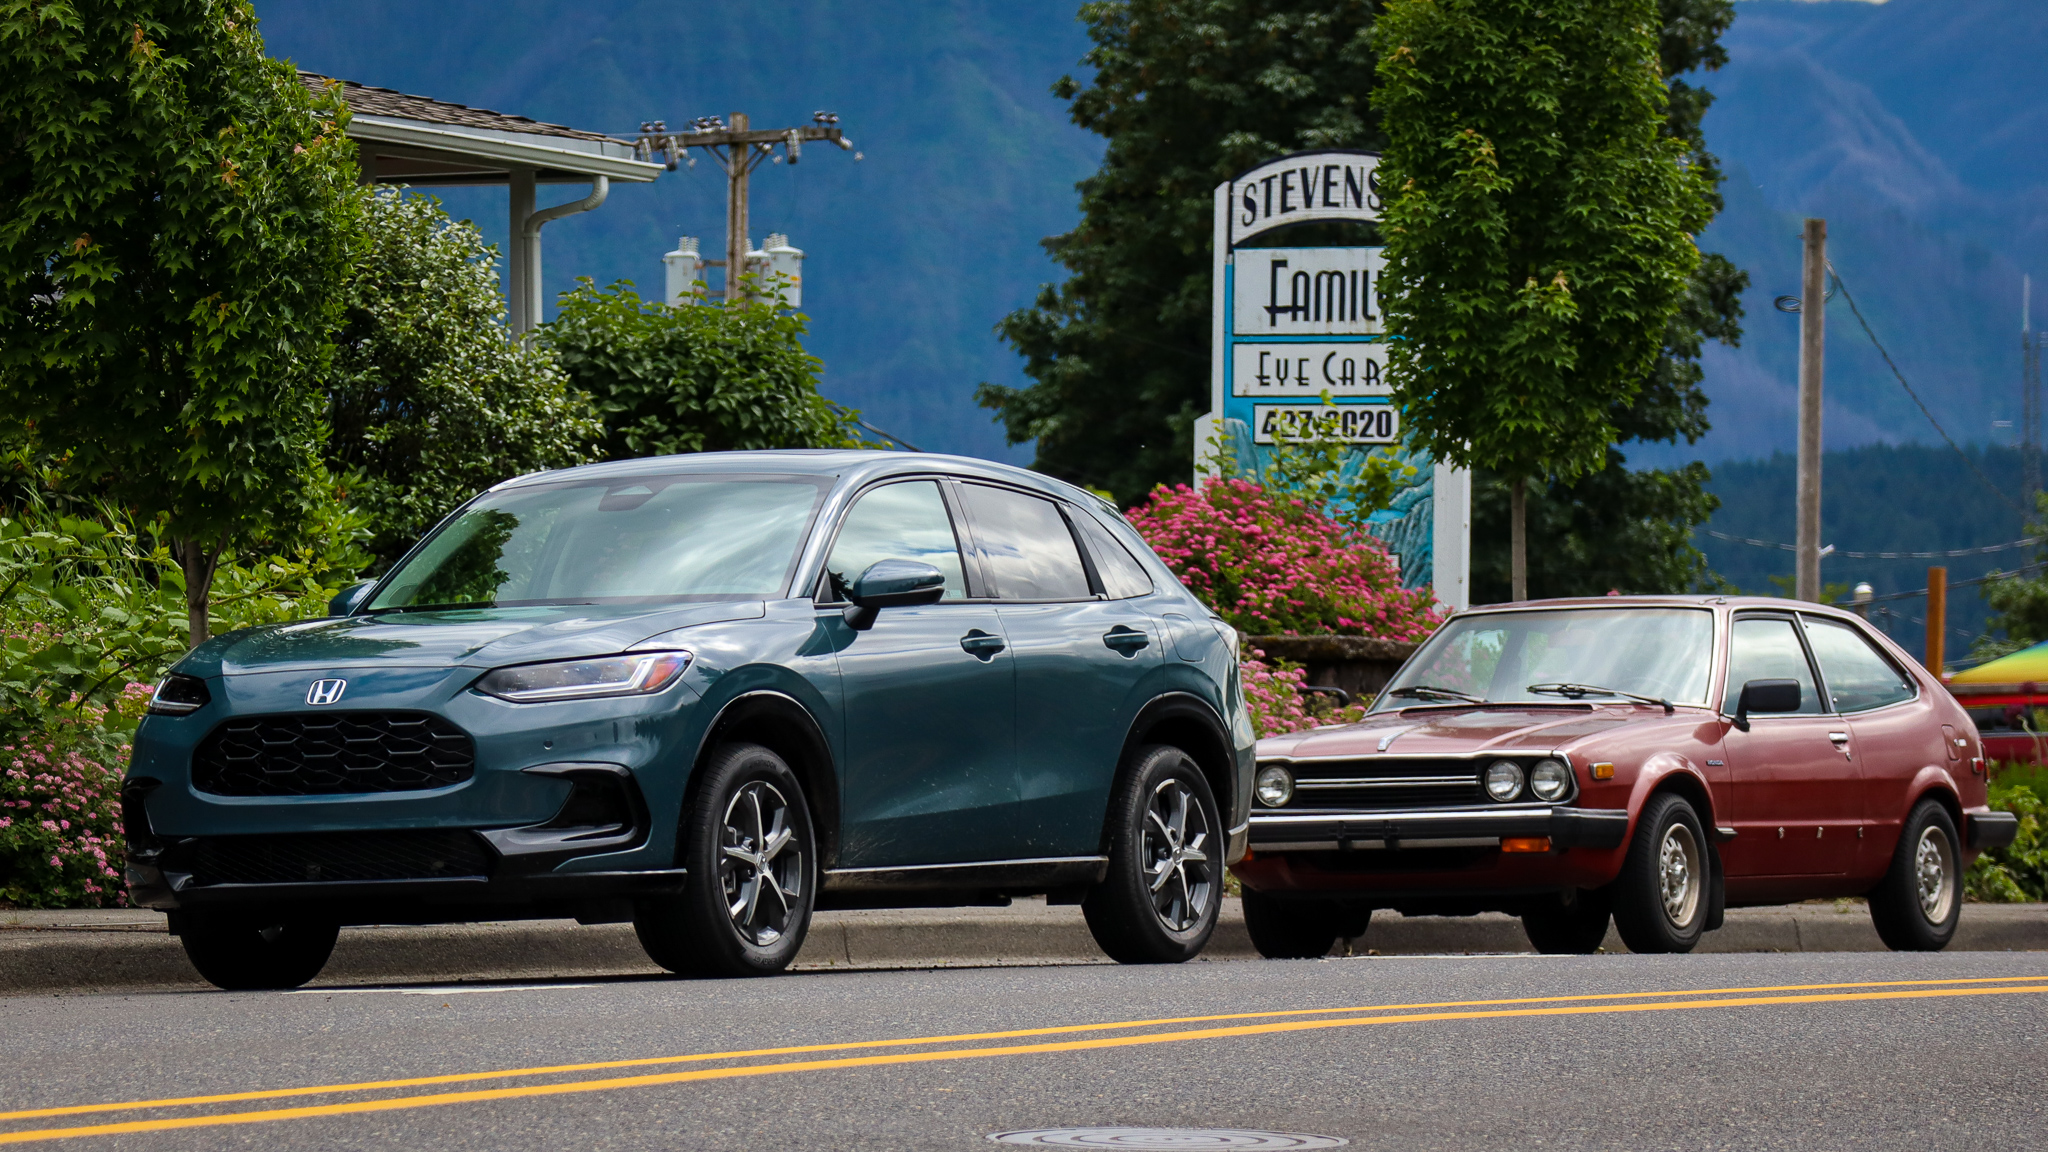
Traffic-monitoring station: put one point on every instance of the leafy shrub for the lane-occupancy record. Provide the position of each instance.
(708, 377)
(1273, 695)
(2017, 872)
(92, 608)
(60, 809)
(1272, 563)
(90, 603)
(431, 400)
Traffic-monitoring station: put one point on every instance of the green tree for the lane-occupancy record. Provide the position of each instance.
(430, 399)
(2019, 602)
(1618, 528)
(1538, 229)
(708, 377)
(181, 213)
(1187, 93)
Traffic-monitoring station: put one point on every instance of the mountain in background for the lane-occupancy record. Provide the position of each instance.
(1877, 498)
(1919, 130)
(913, 253)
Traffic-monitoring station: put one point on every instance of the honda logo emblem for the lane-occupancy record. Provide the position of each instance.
(325, 691)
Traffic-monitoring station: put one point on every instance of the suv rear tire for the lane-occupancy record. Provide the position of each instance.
(1159, 902)
(1287, 929)
(747, 843)
(1661, 897)
(256, 951)
(1917, 905)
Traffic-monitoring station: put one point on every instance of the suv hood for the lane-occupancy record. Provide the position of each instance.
(1461, 730)
(475, 637)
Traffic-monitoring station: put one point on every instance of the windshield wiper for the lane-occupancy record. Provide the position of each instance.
(1575, 691)
(430, 607)
(1426, 692)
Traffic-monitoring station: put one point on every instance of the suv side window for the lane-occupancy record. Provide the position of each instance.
(1768, 648)
(1859, 678)
(1027, 550)
(906, 521)
(1121, 574)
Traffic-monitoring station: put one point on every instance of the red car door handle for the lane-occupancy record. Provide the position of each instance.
(1839, 737)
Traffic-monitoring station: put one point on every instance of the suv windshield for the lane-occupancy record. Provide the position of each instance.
(1587, 654)
(645, 540)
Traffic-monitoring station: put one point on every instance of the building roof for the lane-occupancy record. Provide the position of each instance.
(414, 140)
(364, 100)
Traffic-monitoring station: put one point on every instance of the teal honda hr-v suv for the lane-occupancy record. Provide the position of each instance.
(709, 694)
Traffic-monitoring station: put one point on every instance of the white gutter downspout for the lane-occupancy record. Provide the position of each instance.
(600, 186)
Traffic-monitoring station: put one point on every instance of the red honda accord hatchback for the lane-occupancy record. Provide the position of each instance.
(1650, 759)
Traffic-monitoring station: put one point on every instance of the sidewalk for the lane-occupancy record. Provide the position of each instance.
(116, 950)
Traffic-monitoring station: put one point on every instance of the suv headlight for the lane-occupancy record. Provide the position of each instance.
(178, 694)
(634, 674)
(1550, 780)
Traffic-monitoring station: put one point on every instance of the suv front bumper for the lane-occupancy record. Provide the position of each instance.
(1437, 828)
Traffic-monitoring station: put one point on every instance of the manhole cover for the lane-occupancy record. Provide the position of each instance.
(1165, 1139)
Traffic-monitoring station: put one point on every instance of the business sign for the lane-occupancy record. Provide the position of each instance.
(1350, 423)
(1299, 350)
(1337, 185)
(1304, 370)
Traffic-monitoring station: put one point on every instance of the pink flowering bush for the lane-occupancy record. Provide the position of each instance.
(60, 817)
(1273, 695)
(1275, 564)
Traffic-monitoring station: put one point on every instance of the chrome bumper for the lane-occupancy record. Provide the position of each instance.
(1436, 828)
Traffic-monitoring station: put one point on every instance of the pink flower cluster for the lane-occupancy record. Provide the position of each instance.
(1273, 696)
(60, 819)
(1271, 563)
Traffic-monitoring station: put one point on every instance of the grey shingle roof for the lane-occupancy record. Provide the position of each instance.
(364, 100)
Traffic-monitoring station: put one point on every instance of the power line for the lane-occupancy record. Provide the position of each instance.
(1901, 377)
(2012, 575)
(1948, 555)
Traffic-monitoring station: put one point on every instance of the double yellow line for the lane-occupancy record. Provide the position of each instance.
(930, 1049)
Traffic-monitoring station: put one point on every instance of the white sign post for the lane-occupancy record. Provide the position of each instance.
(1292, 326)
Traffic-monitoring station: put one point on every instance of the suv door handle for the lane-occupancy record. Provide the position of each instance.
(1126, 640)
(981, 645)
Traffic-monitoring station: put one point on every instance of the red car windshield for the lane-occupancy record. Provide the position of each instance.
(1589, 654)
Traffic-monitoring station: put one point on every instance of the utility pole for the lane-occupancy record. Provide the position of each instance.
(1812, 341)
(739, 148)
(2030, 394)
(1937, 620)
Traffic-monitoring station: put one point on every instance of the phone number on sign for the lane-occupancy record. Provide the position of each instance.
(1348, 423)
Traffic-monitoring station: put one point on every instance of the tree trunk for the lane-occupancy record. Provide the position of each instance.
(1518, 540)
(198, 562)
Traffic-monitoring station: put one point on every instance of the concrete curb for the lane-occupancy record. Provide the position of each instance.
(118, 950)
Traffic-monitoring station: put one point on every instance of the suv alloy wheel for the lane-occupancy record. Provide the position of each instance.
(751, 856)
(1159, 902)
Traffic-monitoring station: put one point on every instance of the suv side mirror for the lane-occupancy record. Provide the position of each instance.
(892, 584)
(1765, 696)
(350, 599)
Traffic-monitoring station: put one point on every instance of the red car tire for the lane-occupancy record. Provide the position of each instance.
(1917, 905)
(1662, 895)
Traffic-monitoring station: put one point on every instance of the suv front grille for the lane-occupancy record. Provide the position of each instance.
(329, 753)
(329, 857)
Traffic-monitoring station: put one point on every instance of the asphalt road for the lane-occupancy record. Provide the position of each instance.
(1828, 1051)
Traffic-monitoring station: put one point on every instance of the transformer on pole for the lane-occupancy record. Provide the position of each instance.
(739, 149)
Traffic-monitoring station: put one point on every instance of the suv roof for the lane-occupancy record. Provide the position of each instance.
(849, 465)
